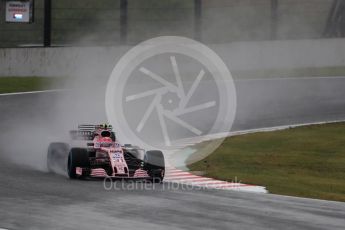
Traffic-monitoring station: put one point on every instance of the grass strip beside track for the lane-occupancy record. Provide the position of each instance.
(26, 84)
(288, 73)
(306, 161)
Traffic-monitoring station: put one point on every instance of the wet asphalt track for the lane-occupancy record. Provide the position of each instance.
(32, 199)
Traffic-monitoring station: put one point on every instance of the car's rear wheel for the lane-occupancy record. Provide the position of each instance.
(155, 165)
(77, 157)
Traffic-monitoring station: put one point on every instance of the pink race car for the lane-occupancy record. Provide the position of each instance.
(102, 156)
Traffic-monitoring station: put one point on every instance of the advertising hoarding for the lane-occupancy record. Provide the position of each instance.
(19, 11)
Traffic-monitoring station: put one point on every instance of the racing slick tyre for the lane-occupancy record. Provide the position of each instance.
(78, 157)
(56, 157)
(155, 165)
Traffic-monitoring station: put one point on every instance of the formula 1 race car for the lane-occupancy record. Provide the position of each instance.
(102, 156)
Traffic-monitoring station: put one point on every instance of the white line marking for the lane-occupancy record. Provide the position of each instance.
(282, 127)
(253, 79)
(33, 92)
(290, 78)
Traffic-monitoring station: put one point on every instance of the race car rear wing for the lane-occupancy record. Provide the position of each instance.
(82, 135)
(87, 132)
(94, 127)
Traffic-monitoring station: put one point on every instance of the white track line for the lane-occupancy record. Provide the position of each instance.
(282, 127)
(193, 141)
(253, 79)
(33, 92)
(290, 78)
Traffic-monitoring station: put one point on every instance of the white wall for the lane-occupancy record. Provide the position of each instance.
(284, 54)
(99, 61)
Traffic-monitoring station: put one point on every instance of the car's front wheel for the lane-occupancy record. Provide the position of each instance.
(155, 165)
(78, 157)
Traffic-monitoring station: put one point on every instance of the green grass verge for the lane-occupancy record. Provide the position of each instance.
(305, 161)
(24, 84)
(286, 73)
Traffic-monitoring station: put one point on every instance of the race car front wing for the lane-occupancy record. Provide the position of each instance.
(100, 172)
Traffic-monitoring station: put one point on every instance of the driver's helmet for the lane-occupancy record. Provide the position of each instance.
(105, 126)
